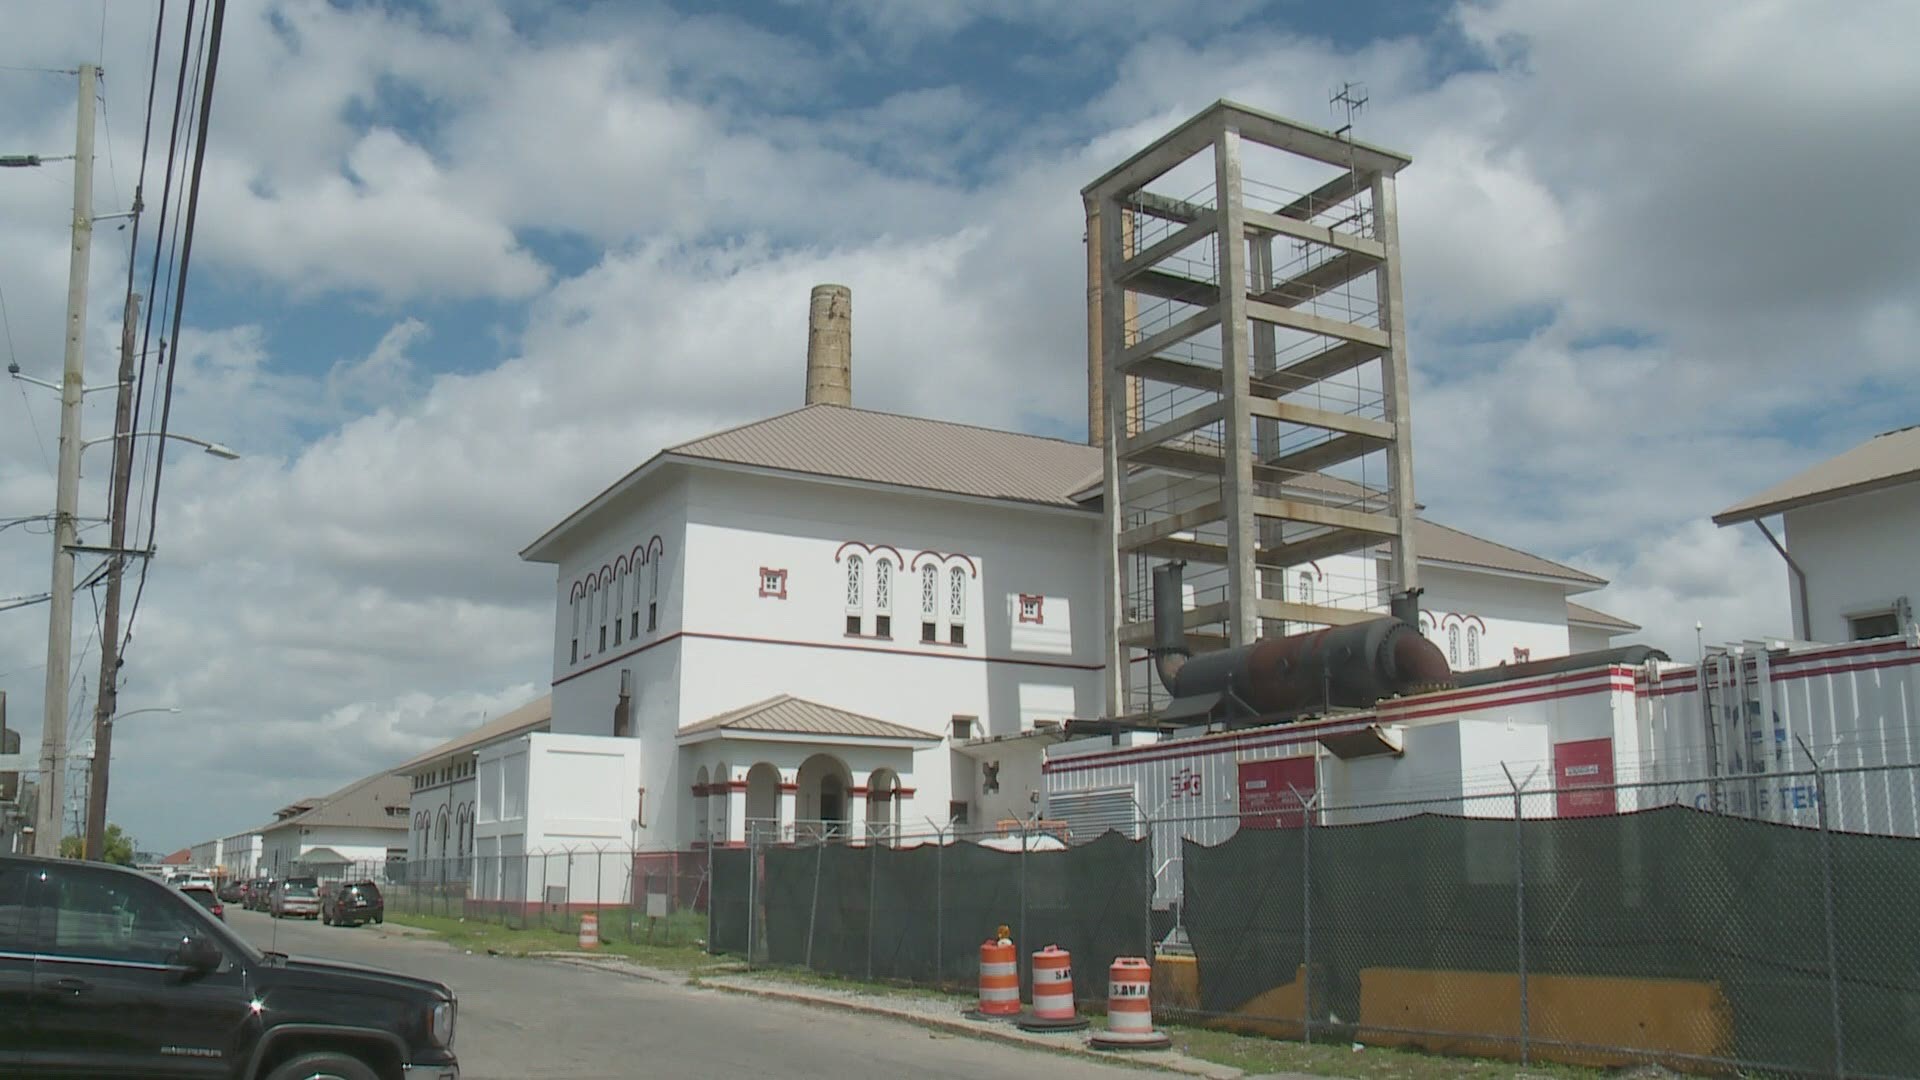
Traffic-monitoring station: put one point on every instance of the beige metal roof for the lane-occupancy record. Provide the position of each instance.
(361, 804)
(535, 715)
(1580, 613)
(906, 451)
(1880, 462)
(789, 715)
(1441, 544)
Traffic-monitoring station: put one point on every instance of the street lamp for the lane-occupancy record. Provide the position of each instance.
(216, 449)
(117, 717)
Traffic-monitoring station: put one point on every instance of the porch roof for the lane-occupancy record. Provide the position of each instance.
(787, 718)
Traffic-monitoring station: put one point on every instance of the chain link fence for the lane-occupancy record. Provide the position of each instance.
(916, 908)
(651, 897)
(1605, 925)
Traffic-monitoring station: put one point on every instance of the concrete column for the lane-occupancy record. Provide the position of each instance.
(1236, 481)
(901, 807)
(1112, 332)
(1393, 381)
(789, 802)
(734, 821)
(857, 813)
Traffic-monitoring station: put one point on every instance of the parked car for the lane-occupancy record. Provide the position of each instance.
(132, 978)
(350, 903)
(294, 898)
(233, 892)
(206, 898)
(257, 891)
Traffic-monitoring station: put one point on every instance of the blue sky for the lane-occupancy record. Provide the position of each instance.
(462, 264)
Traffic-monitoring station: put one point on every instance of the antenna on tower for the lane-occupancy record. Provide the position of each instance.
(1353, 96)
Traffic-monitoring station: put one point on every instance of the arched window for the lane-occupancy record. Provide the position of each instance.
(573, 654)
(1473, 646)
(653, 591)
(1306, 587)
(856, 592)
(883, 598)
(957, 606)
(619, 604)
(929, 602)
(1453, 645)
(600, 610)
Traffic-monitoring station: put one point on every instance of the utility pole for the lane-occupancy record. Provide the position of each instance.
(50, 814)
(108, 695)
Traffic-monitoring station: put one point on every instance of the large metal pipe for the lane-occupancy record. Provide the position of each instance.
(1349, 666)
(1624, 656)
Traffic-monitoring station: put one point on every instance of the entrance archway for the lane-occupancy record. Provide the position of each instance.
(883, 804)
(824, 781)
(763, 803)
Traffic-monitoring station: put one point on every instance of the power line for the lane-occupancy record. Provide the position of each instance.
(180, 297)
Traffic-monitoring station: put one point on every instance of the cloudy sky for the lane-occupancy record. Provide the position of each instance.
(461, 264)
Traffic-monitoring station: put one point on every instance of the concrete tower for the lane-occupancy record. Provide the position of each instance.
(1244, 270)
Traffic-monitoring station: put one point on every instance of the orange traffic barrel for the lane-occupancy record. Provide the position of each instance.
(590, 931)
(1052, 993)
(1130, 1008)
(999, 979)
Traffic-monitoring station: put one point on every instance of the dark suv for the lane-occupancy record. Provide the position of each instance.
(105, 971)
(350, 903)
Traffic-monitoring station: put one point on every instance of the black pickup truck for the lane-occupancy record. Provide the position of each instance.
(105, 971)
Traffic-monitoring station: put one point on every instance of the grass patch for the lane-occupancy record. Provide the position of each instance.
(1256, 1054)
(676, 944)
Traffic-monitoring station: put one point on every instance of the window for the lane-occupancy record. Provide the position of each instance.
(1306, 587)
(963, 728)
(1878, 625)
(883, 624)
(14, 929)
(1030, 607)
(929, 632)
(957, 813)
(957, 606)
(601, 612)
(1473, 646)
(1453, 645)
(929, 588)
(856, 582)
(653, 592)
(573, 655)
(856, 592)
(773, 583)
(107, 916)
(619, 605)
(883, 587)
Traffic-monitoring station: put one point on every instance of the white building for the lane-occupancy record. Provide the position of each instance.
(1847, 535)
(240, 855)
(836, 619)
(443, 792)
(357, 829)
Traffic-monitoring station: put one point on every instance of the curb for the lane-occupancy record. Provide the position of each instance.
(1171, 1061)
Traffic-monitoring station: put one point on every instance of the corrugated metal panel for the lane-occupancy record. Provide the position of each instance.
(789, 715)
(1856, 706)
(833, 440)
(1091, 814)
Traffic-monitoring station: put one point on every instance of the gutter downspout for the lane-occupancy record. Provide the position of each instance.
(1804, 629)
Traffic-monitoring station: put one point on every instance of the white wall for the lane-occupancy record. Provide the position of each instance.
(742, 647)
(550, 794)
(240, 855)
(1516, 613)
(1858, 554)
(1586, 639)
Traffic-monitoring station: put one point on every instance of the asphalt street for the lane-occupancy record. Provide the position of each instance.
(533, 1018)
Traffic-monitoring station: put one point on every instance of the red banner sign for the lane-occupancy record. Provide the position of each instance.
(1584, 764)
(1268, 798)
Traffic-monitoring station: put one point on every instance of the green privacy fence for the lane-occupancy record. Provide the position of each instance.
(1673, 935)
(917, 912)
